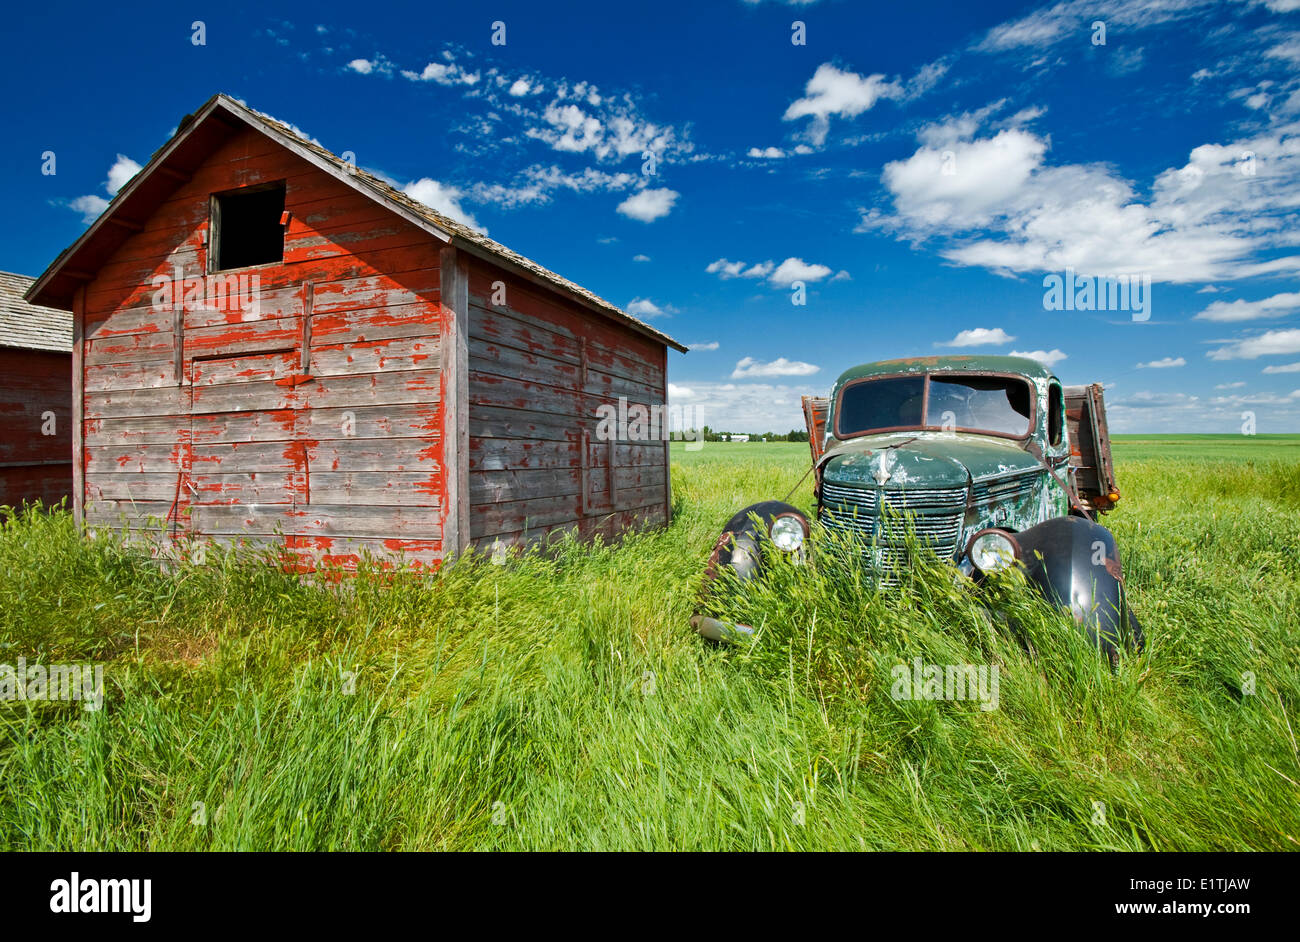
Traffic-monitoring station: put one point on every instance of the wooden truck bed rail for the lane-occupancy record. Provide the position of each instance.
(1090, 458)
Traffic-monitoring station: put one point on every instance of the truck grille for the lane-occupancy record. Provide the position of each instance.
(933, 514)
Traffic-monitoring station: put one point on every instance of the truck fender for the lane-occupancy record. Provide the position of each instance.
(740, 549)
(1074, 563)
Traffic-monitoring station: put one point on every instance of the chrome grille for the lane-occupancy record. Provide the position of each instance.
(1017, 487)
(933, 514)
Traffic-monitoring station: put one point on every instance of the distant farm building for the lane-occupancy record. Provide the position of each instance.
(273, 346)
(35, 398)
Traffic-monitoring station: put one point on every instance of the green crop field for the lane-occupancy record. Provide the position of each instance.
(561, 700)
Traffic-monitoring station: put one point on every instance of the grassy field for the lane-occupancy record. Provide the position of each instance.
(562, 701)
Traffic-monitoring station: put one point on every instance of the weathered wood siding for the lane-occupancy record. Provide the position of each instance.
(34, 465)
(539, 368)
(316, 422)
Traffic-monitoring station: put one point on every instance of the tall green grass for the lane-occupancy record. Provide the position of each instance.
(561, 701)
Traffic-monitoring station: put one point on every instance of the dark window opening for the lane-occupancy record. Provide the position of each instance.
(247, 227)
(1055, 413)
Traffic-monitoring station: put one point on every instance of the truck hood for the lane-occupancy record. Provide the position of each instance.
(923, 459)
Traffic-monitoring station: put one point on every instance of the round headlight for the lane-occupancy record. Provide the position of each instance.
(787, 533)
(992, 551)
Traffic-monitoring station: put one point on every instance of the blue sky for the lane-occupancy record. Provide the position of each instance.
(920, 168)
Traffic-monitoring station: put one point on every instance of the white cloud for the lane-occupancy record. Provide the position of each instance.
(1288, 50)
(783, 275)
(749, 367)
(1266, 344)
(1049, 358)
(644, 307)
(443, 73)
(123, 169)
(520, 87)
(1236, 385)
(679, 392)
(1163, 364)
(443, 199)
(1282, 368)
(978, 336)
(833, 92)
(578, 120)
(90, 206)
(725, 269)
(376, 66)
(767, 153)
(649, 205)
(997, 204)
(1071, 19)
(1279, 305)
(710, 345)
(640, 258)
(537, 186)
(745, 407)
(796, 269)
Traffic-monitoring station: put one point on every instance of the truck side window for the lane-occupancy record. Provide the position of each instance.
(1055, 413)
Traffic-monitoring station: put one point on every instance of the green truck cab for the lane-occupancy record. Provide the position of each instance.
(986, 462)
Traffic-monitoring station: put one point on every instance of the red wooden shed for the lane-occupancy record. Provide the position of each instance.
(35, 398)
(274, 346)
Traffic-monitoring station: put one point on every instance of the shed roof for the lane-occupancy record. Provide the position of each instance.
(30, 326)
(200, 133)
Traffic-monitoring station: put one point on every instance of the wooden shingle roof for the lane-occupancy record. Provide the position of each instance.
(30, 326)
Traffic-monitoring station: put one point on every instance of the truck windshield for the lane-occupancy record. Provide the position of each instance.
(997, 404)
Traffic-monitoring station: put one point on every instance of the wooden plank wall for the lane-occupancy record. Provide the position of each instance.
(35, 466)
(315, 423)
(539, 367)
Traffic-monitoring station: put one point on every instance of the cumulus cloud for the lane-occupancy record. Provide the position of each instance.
(379, 65)
(443, 199)
(796, 269)
(1163, 363)
(835, 92)
(782, 275)
(679, 392)
(766, 153)
(1279, 305)
(123, 169)
(978, 337)
(644, 307)
(91, 205)
(749, 367)
(649, 205)
(995, 202)
(443, 73)
(1266, 344)
(1282, 368)
(537, 185)
(1049, 358)
(745, 407)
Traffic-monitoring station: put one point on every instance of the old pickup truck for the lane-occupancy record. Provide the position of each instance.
(987, 462)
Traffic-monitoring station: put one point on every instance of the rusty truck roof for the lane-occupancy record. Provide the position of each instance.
(1022, 366)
